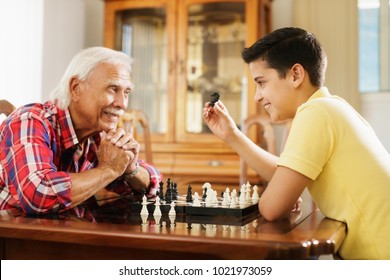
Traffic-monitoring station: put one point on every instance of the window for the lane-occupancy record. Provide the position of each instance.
(374, 45)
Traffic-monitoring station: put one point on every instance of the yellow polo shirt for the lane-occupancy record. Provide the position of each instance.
(333, 145)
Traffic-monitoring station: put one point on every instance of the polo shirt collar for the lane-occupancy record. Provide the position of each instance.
(321, 92)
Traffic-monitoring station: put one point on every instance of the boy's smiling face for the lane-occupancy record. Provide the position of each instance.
(276, 94)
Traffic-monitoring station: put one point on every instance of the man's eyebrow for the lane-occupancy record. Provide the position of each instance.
(120, 84)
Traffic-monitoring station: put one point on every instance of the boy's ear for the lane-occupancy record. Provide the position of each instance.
(74, 88)
(298, 74)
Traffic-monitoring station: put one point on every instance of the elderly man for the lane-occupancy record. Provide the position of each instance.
(56, 155)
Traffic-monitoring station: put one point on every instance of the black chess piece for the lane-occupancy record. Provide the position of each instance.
(214, 99)
(175, 192)
(189, 194)
(204, 196)
(168, 194)
(161, 191)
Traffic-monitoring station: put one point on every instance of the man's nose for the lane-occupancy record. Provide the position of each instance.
(121, 100)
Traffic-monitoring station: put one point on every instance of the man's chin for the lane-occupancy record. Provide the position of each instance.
(109, 126)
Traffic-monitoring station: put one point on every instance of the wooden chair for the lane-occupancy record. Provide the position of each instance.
(6, 107)
(266, 138)
(130, 120)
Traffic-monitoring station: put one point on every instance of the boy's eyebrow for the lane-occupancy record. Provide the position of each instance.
(258, 78)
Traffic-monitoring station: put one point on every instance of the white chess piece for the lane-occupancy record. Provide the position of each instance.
(172, 211)
(157, 219)
(144, 219)
(209, 199)
(227, 191)
(215, 198)
(157, 210)
(172, 219)
(248, 193)
(144, 210)
(255, 195)
(225, 201)
(196, 201)
(206, 186)
(242, 198)
(233, 200)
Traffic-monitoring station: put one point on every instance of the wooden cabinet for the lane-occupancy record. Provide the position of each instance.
(183, 51)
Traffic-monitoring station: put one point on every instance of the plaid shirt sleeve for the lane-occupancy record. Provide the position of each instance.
(28, 151)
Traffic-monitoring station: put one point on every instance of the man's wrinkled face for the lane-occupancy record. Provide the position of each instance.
(104, 96)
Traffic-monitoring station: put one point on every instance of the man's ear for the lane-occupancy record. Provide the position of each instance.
(74, 88)
(298, 74)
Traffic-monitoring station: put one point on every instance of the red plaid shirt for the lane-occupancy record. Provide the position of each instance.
(38, 148)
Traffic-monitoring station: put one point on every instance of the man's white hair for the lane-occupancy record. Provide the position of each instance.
(82, 65)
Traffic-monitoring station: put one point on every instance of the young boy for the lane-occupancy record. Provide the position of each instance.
(331, 149)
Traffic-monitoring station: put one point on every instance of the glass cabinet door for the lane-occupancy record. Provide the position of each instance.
(143, 30)
(213, 39)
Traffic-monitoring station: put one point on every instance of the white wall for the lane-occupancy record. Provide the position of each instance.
(63, 36)
(21, 36)
(94, 23)
(376, 110)
(38, 39)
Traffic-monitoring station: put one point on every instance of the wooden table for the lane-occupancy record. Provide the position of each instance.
(117, 233)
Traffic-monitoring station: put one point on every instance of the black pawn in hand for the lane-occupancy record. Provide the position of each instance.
(214, 99)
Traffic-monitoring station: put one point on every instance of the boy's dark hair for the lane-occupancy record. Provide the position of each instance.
(284, 47)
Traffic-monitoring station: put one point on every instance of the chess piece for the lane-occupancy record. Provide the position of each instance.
(172, 211)
(161, 190)
(144, 209)
(227, 191)
(214, 99)
(206, 186)
(255, 195)
(248, 193)
(172, 214)
(189, 194)
(225, 200)
(174, 191)
(233, 200)
(242, 198)
(196, 202)
(157, 219)
(214, 201)
(144, 219)
(168, 194)
(172, 219)
(211, 198)
(157, 210)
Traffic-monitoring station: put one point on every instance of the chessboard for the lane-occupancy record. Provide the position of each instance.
(230, 204)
